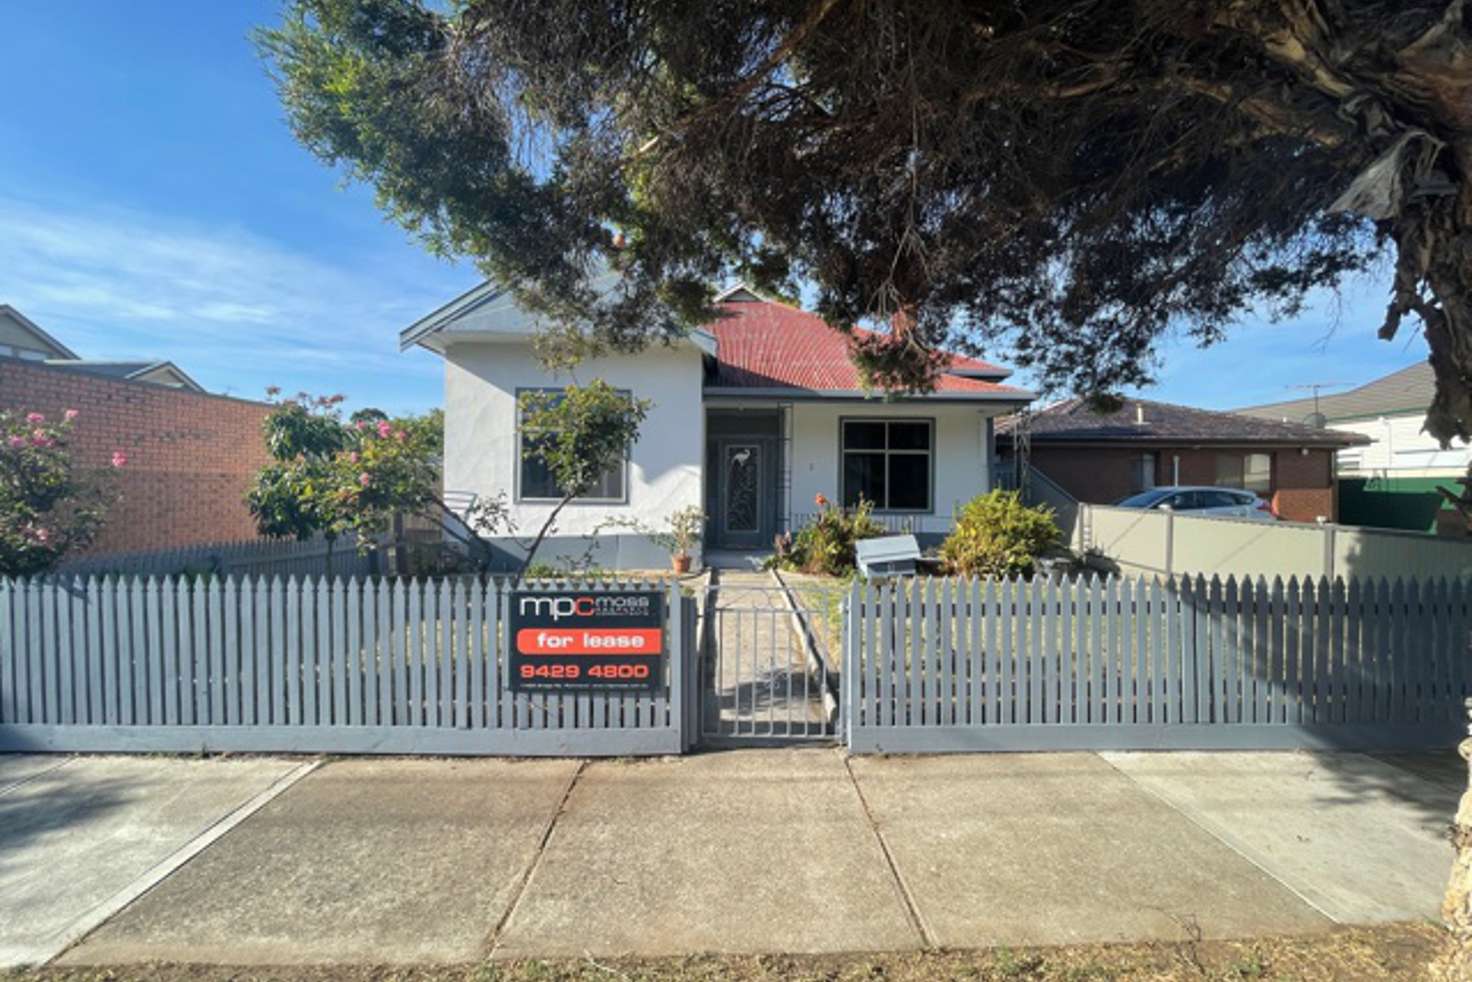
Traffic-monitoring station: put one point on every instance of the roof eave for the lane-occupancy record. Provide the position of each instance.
(1074, 440)
(1019, 397)
(982, 374)
(420, 332)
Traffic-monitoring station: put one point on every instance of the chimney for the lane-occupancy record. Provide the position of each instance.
(1139, 415)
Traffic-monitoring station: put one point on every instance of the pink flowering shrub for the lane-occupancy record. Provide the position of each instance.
(46, 508)
(336, 478)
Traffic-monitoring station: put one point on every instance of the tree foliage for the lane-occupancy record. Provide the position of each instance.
(579, 432)
(332, 478)
(47, 507)
(1073, 178)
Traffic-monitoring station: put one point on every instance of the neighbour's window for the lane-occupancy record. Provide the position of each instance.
(535, 481)
(1142, 472)
(1258, 473)
(1251, 472)
(888, 462)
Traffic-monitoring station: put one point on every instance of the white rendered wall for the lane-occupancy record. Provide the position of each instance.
(664, 475)
(960, 455)
(1400, 448)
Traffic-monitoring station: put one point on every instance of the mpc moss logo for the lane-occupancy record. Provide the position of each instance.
(586, 640)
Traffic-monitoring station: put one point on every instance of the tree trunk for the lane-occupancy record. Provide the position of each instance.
(327, 560)
(1434, 248)
(541, 534)
(1456, 908)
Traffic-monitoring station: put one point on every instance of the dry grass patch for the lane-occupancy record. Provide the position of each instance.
(1393, 952)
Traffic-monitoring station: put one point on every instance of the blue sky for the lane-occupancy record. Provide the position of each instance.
(154, 204)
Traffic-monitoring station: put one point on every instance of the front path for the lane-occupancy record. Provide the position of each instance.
(793, 850)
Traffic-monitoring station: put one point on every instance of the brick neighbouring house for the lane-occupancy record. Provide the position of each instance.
(1103, 457)
(191, 455)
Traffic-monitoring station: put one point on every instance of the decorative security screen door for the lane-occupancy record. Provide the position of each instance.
(741, 495)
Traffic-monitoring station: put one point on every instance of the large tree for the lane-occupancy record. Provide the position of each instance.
(1071, 178)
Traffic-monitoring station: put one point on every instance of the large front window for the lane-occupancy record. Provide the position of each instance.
(536, 483)
(888, 462)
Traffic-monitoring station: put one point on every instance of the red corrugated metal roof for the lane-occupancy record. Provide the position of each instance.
(763, 344)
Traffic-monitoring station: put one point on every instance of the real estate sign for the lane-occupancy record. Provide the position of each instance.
(586, 640)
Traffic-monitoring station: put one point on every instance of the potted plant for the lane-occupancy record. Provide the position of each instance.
(685, 527)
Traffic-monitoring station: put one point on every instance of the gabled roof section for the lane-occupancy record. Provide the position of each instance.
(422, 331)
(756, 347)
(29, 327)
(154, 372)
(1406, 392)
(489, 312)
(1141, 421)
(770, 348)
(740, 293)
(959, 365)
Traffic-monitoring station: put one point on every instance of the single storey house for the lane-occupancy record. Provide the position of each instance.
(754, 416)
(1390, 481)
(1101, 457)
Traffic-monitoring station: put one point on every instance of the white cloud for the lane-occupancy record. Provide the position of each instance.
(236, 309)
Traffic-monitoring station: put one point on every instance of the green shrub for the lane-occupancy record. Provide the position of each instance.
(997, 535)
(826, 546)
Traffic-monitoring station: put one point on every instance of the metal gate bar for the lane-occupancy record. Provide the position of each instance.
(757, 679)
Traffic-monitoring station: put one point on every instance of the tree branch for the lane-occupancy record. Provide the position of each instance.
(541, 534)
(747, 85)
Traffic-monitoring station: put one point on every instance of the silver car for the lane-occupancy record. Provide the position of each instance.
(1203, 501)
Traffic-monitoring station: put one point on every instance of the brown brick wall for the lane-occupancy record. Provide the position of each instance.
(190, 456)
(1303, 484)
(1100, 475)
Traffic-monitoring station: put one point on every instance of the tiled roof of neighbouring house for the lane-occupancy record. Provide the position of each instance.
(1143, 421)
(1408, 391)
(761, 344)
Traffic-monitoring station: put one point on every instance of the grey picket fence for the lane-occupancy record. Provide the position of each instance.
(1094, 663)
(349, 665)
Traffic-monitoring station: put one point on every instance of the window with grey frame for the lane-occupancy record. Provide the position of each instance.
(888, 462)
(534, 479)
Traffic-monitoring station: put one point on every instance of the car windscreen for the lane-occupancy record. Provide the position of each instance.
(1144, 499)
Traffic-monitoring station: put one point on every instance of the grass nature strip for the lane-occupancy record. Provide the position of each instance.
(1397, 951)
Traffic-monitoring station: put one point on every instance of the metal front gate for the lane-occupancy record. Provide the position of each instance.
(765, 670)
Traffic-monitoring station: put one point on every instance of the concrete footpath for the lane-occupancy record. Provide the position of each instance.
(414, 861)
(82, 837)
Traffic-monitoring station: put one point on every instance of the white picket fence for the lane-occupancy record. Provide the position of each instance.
(311, 665)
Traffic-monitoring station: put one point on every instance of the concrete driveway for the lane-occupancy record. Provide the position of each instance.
(82, 837)
(407, 861)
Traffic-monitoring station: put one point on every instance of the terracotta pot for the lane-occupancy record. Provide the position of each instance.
(681, 563)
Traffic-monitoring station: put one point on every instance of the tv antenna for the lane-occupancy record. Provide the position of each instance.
(1316, 418)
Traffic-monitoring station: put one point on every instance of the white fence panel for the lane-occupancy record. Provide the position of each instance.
(1167, 543)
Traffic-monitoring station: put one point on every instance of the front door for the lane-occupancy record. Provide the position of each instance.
(741, 521)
